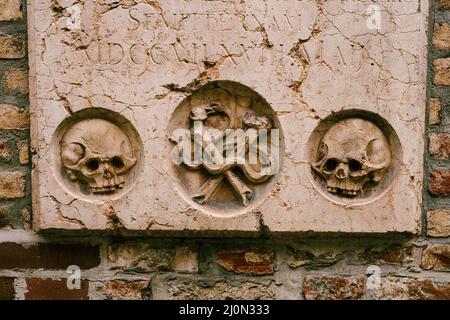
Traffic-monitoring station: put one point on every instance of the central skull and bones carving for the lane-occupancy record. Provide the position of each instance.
(352, 153)
(98, 153)
(216, 118)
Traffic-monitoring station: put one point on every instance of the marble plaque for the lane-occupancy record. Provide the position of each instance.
(324, 102)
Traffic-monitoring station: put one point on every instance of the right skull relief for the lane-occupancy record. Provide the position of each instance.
(352, 154)
(98, 154)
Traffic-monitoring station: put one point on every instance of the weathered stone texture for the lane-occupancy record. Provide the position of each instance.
(438, 223)
(310, 260)
(12, 47)
(13, 118)
(10, 9)
(316, 287)
(395, 254)
(287, 74)
(16, 80)
(434, 108)
(5, 153)
(217, 289)
(185, 260)
(443, 4)
(440, 145)
(122, 290)
(12, 185)
(254, 262)
(22, 147)
(396, 288)
(442, 71)
(441, 36)
(140, 257)
(436, 258)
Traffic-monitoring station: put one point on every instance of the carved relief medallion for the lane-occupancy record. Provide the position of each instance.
(354, 155)
(98, 155)
(226, 147)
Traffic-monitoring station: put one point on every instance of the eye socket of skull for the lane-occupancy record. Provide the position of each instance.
(92, 165)
(354, 165)
(117, 163)
(330, 165)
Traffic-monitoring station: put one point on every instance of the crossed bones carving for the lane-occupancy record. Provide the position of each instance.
(214, 143)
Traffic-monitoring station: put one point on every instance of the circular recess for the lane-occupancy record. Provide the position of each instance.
(97, 154)
(212, 138)
(354, 157)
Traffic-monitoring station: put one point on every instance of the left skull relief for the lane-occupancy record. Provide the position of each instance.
(98, 154)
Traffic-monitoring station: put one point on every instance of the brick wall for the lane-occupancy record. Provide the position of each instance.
(34, 267)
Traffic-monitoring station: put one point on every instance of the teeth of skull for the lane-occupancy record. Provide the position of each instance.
(112, 185)
(332, 190)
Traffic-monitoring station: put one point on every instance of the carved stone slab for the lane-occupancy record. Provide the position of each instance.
(336, 87)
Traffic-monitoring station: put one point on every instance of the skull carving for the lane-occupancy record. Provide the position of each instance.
(97, 152)
(352, 153)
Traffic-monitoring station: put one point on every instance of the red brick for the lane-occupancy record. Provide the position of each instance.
(440, 145)
(252, 261)
(48, 256)
(439, 182)
(49, 289)
(7, 291)
(333, 288)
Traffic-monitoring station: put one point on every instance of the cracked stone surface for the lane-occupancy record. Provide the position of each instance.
(308, 59)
